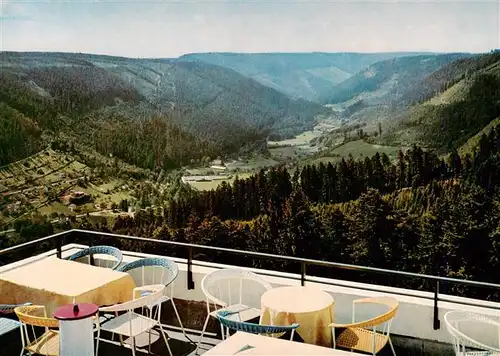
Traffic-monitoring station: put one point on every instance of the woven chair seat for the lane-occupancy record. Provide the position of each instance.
(238, 312)
(361, 339)
(7, 325)
(47, 344)
(224, 315)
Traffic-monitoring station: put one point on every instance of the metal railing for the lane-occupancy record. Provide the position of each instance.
(61, 238)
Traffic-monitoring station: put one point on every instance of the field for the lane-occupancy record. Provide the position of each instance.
(357, 149)
(213, 184)
(299, 140)
(255, 163)
(45, 167)
(38, 183)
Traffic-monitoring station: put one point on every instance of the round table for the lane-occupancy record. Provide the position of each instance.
(309, 307)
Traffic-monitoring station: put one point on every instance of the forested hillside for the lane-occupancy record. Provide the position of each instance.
(386, 81)
(19, 135)
(445, 77)
(300, 75)
(465, 99)
(423, 211)
(420, 214)
(194, 109)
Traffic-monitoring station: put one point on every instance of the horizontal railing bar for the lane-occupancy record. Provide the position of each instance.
(298, 260)
(343, 266)
(259, 272)
(33, 242)
(321, 281)
(446, 300)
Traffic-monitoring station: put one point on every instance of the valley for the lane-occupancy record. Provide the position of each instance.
(166, 129)
(358, 134)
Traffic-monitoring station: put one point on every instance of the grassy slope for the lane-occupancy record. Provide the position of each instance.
(472, 142)
(422, 123)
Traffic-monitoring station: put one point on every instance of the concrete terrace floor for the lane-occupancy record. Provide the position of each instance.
(193, 315)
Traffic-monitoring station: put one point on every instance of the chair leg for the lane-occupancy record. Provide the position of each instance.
(133, 346)
(392, 347)
(222, 331)
(149, 344)
(22, 338)
(97, 341)
(165, 339)
(178, 316)
(202, 332)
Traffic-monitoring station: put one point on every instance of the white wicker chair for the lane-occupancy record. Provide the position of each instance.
(224, 290)
(132, 324)
(466, 345)
(151, 271)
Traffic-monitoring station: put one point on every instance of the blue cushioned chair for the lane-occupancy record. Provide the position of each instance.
(251, 327)
(6, 324)
(100, 250)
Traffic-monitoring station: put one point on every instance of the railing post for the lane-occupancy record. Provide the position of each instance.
(91, 243)
(190, 281)
(437, 323)
(59, 246)
(303, 274)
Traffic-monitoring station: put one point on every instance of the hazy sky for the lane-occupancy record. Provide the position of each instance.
(171, 28)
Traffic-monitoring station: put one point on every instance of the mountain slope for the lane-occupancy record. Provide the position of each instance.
(197, 109)
(299, 75)
(448, 119)
(19, 135)
(386, 81)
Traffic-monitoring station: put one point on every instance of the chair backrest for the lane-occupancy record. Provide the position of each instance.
(391, 303)
(229, 286)
(100, 250)
(9, 308)
(148, 300)
(252, 327)
(150, 271)
(35, 315)
(466, 331)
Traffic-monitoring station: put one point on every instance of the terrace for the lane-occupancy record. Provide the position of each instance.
(418, 328)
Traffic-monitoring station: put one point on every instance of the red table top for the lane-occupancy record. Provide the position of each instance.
(76, 311)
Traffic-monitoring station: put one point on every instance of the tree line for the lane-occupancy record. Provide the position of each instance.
(420, 214)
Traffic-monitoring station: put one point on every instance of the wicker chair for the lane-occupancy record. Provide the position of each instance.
(466, 345)
(152, 271)
(357, 336)
(100, 250)
(251, 327)
(224, 290)
(7, 325)
(36, 315)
